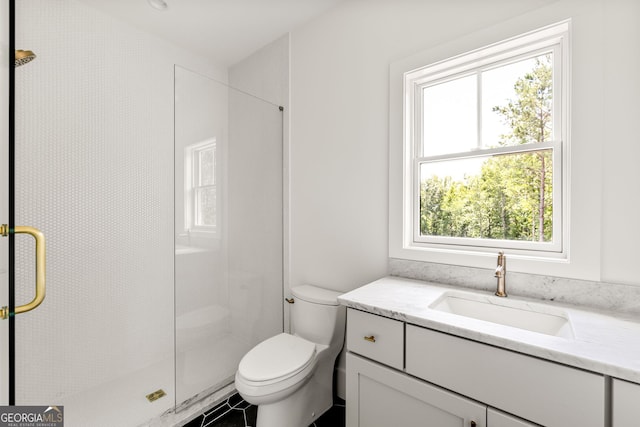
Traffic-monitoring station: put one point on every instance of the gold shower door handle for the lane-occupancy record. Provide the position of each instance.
(41, 254)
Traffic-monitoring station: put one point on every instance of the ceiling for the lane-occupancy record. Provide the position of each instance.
(226, 31)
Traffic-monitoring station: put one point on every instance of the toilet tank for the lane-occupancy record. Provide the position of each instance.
(317, 315)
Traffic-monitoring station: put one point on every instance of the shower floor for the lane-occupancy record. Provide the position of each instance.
(212, 363)
(123, 402)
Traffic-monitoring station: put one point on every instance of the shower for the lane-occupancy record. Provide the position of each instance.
(137, 317)
(23, 57)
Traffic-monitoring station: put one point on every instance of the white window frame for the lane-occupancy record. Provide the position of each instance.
(192, 171)
(553, 39)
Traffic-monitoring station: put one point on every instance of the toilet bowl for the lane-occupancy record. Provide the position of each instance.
(275, 368)
(290, 376)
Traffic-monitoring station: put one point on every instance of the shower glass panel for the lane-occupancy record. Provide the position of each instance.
(94, 154)
(228, 223)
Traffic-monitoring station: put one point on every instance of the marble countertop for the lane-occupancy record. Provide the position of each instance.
(601, 341)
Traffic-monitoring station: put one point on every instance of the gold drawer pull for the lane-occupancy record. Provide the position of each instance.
(370, 338)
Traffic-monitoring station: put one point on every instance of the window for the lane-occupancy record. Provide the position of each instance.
(485, 142)
(202, 193)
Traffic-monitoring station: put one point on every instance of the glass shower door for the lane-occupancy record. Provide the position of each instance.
(93, 162)
(4, 198)
(228, 222)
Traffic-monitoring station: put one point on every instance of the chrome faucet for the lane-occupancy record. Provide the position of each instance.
(501, 274)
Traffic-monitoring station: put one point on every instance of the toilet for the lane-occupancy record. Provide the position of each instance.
(290, 376)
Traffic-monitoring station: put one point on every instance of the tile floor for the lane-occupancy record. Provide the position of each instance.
(235, 412)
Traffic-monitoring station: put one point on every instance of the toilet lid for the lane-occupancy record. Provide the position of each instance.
(276, 357)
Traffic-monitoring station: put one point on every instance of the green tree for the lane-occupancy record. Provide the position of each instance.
(530, 119)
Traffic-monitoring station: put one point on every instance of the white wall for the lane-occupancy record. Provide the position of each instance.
(265, 74)
(340, 115)
(621, 148)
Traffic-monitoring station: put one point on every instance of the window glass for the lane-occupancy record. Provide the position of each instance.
(206, 159)
(505, 196)
(517, 103)
(450, 120)
(200, 172)
(206, 206)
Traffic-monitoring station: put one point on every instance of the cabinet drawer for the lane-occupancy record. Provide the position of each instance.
(376, 337)
(544, 392)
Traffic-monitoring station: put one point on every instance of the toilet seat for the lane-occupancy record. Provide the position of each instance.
(277, 359)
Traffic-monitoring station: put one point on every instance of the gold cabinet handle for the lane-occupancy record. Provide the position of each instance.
(41, 254)
(370, 338)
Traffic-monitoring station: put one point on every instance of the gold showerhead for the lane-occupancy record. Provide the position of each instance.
(23, 56)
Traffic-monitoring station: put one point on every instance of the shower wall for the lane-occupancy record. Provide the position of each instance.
(94, 137)
(265, 74)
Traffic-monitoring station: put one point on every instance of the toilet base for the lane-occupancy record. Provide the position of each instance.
(300, 409)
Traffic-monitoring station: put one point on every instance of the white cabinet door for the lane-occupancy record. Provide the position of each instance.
(496, 418)
(626, 398)
(378, 396)
(547, 393)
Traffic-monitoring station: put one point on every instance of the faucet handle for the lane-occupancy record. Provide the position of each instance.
(502, 260)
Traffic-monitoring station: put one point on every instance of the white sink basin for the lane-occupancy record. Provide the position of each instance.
(514, 313)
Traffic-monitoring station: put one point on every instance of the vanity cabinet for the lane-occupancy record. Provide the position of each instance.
(378, 396)
(440, 380)
(625, 401)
